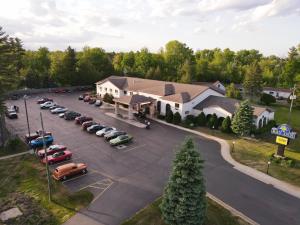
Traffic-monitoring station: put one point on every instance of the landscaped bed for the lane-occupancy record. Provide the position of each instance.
(23, 184)
(216, 215)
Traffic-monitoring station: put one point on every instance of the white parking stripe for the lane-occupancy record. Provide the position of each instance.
(76, 177)
(135, 148)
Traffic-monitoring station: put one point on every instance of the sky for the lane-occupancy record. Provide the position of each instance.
(270, 26)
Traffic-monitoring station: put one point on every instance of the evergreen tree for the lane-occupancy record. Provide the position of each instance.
(177, 118)
(213, 122)
(169, 116)
(253, 81)
(184, 200)
(226, 124)
(201, 119)
(243, 119)
(232, 92)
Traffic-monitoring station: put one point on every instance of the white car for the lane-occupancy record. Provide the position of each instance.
(59, 110)
(61, 115)
(47, 105)
(105, 131)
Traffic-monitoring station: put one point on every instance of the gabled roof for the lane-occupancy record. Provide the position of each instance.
(228, 104)
(133, 99)
(172, 91)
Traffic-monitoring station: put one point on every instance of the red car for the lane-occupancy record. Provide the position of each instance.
(51, 150)
(58, 156)
(87, 98)
(43, 100)
(81, 119)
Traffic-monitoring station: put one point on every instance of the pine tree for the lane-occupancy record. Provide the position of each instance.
(177, 118)
(242, 120)
(169, 116)
(253, 81)
(201, 119)
(184, 200)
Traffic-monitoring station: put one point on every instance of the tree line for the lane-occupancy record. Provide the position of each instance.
(175, 62)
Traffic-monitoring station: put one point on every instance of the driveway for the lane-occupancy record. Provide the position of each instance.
(125, 180)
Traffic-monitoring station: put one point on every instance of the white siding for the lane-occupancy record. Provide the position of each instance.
(266, 114)
(278, 94)
(109, 88)
(217, 110)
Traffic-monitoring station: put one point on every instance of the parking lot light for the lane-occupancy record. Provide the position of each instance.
(25, 103)
(233, 143)
(269, 163)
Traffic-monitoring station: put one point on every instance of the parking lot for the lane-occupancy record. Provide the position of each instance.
(125, 180)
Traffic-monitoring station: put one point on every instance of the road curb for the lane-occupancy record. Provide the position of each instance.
(15, 155)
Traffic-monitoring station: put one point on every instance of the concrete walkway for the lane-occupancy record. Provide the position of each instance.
(15, 155)
(225, 152)
(132, 122)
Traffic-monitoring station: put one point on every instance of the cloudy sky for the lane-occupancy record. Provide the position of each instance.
(271, 26)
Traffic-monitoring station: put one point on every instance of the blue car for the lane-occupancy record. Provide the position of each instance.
(37, 143)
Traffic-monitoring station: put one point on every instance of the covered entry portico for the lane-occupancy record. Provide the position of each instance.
(135, 103)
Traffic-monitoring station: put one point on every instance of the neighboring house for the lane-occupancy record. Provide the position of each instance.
(224, 107)
(159, 96)
(278, 93)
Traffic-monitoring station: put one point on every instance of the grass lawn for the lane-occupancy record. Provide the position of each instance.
(216, 215)
(13, 147)
(23, 183)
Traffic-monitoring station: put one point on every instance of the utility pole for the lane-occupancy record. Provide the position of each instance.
(25, 103)
(292, 97)
(47, 164)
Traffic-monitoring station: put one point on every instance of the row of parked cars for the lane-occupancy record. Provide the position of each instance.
(89, 99)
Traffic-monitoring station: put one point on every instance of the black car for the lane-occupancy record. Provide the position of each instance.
(94, 128)
(71, 115)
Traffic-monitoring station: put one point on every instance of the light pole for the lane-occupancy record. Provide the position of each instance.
(25, 103)
(46, 157)
(233, 146)
(292, 97)
(269, 163)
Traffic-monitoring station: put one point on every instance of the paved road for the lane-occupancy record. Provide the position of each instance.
(124, 181)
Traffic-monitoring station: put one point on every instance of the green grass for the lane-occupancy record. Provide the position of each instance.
(25, 177)
(13, 146)
(216, 215)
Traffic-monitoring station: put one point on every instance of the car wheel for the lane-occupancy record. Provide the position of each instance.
(50, 162)
(68, 158)
(84, 171)
(64, 177)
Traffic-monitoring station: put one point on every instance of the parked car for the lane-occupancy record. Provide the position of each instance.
(98, 103)
(59, 110)
(81, 119)
(38, 142)
(122, 139)
(51, 150)
(113, 134)
(11, 114)
(32, 136)
(47, 105)
(69, 169)
(55, 106)
(80, 97)
(104, 131)
(58, 157)
(87, 124)
(61, 115)
(92, 101)
(71, 115)
(87, 98)
(43, 100)
(94, 128)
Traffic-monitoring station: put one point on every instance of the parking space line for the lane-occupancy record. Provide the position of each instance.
(96, 187)
(98, 182)
(134, 148)
(103, 174)
(98, 196)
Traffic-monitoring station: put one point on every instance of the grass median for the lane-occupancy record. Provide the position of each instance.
(216, 215)
(23, 183)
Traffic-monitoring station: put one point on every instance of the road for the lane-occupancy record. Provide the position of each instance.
(125, 180)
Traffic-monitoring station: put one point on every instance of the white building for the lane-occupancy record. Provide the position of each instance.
(278, 93)
(187, 99)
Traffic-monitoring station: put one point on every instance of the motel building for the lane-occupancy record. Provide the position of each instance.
(156, 97)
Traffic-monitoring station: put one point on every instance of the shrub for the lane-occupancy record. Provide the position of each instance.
(177, 118)
(108, 98)
(226, 125)
(208, 117)
(169, 116)
(267, 99)
(201, 119)
(14, 145)
(190, 120)
(213, 122)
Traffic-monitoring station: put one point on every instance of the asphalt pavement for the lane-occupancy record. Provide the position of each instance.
(125, 180)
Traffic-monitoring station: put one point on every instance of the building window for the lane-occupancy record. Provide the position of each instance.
(110, 90)
(176, 105)
(271, 92)
(105, 89)
(100, 88)
(125, 92)
(187, 112)
(116, 91)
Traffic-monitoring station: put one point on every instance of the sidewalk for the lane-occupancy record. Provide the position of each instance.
(225, 152)
(132, 122)
(15, 155)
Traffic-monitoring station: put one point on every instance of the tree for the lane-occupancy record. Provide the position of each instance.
(226, 125)
(267, 99)
(201, 119)
(169, 116)
(108, 98)
(213, 122)
(253, 81)
(184, 198)
(177, 118)
(233, 92)
(186, 73)
(243, 119)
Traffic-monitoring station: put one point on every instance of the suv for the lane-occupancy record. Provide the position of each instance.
(71, 115)
(81, 119)
(67, 170)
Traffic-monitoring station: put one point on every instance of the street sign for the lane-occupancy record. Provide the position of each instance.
(284, 130)
(282, 140)
(293, 97)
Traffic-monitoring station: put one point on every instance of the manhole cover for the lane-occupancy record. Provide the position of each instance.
(121, 147)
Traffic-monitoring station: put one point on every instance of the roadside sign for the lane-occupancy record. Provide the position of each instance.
(284, 130)
(293, 97)
(282, 140)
